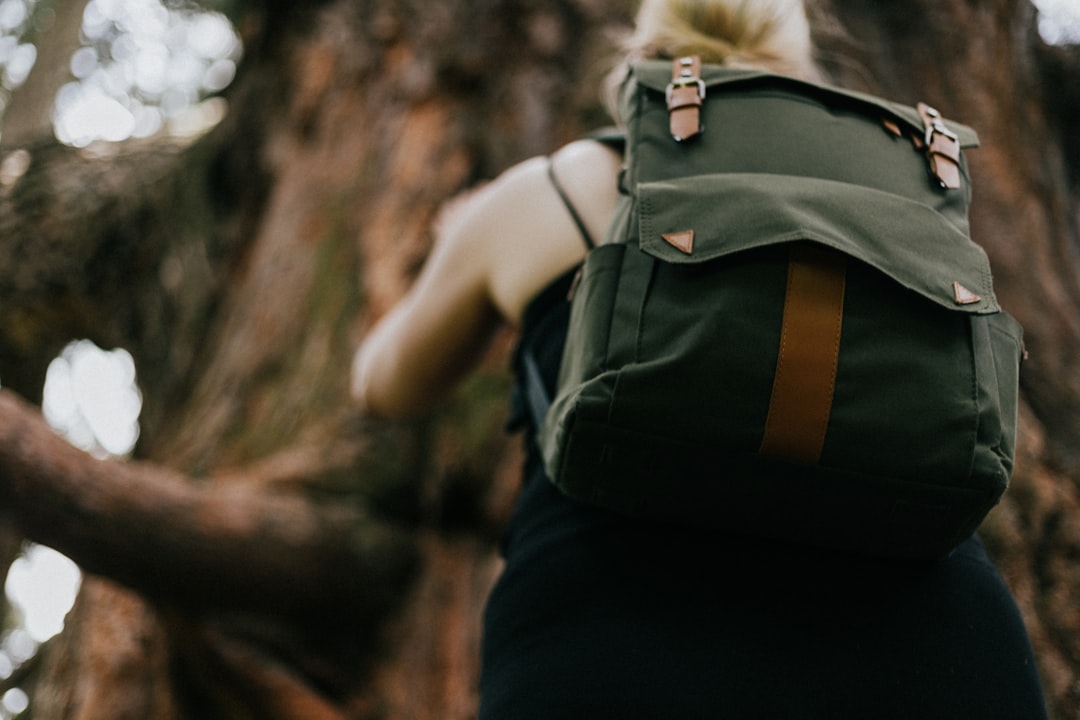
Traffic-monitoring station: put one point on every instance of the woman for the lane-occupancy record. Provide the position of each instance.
(597, 615)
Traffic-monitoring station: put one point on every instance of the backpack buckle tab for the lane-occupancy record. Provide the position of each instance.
(684, 95)
(942, 148)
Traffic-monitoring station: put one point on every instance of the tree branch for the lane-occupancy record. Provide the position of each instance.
(220, 545)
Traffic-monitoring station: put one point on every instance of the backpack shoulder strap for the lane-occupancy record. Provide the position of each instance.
(613, 137)
(536, 398)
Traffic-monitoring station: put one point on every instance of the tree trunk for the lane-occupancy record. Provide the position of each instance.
(272, 555)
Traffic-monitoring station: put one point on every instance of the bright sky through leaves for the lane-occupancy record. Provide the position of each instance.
(91, 398)
(42, 606)
(1059, 21)
(144, 68)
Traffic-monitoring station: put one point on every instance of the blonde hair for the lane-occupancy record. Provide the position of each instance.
(772, 34)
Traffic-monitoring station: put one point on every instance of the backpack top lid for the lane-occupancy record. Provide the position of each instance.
(764, 171)
(656, 75)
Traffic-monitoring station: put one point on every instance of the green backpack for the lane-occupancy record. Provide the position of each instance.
(788, 331)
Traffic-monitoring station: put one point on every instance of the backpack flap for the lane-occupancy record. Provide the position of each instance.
(697, 219)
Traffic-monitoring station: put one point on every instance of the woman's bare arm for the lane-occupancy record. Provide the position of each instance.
(491, 256)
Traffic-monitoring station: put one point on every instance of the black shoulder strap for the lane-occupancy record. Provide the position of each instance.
(569, 206)
(613, 138)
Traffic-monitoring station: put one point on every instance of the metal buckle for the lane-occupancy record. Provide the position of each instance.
(684, 82)
(937, 127)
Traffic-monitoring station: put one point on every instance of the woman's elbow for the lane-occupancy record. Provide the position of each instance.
(379, 396)
(364, 388)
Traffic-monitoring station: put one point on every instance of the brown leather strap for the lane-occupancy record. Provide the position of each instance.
(802, 390)
(684, 97)
(942, 148)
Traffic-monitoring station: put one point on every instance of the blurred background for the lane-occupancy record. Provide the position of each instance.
(148, 70)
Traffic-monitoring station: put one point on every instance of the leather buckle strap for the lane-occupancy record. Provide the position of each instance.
(942, 148)
(685, 94)
(802, 392)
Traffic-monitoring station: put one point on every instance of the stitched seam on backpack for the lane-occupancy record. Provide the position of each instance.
(974, 389)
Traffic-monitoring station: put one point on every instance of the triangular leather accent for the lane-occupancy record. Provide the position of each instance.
(683, 241)
(964, 296)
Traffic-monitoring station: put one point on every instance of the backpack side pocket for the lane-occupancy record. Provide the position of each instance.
(998, 349)
(585, 381)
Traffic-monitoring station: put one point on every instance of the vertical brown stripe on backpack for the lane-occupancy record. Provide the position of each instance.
(802, 390)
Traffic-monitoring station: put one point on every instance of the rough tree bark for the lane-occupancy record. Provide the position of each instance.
(272, 555)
